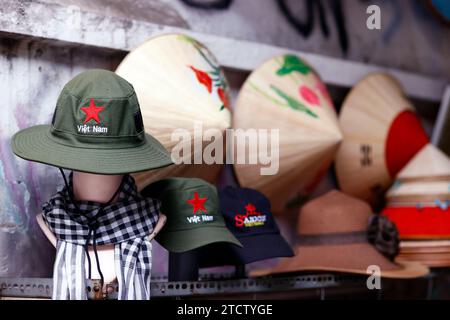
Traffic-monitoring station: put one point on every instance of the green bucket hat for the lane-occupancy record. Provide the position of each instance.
(97, 127)
(193, 214)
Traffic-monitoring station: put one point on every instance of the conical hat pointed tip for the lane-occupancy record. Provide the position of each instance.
(428, 162)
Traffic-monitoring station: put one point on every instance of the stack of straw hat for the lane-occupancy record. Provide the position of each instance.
(419, 204)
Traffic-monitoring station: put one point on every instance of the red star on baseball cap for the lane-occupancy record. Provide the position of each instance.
(197, 203)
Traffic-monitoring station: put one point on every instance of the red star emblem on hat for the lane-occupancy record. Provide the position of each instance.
(197, 203)
(250, 208)
(92, 112)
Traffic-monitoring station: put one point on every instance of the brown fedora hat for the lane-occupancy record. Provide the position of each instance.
(339, 233)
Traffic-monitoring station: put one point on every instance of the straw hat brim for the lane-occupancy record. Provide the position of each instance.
(418, 191)
(434, 253)
(352, 258)
(430, 259)
(35, 144)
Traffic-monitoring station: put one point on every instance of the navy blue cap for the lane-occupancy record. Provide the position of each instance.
(248, 216)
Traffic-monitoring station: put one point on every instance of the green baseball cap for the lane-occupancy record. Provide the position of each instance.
(97, 127)
(193, 214)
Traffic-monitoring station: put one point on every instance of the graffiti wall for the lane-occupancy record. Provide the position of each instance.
(411, 36)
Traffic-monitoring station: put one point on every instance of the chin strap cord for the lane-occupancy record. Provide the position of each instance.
(92, 225)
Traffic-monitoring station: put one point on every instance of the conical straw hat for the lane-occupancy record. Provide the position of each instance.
(381, 134)
(286, 94)
(425, 177)
(427, 165)
(419, 200)
(180, 86)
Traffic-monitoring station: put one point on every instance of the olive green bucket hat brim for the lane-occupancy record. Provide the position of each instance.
(186, 240)
(34, 144)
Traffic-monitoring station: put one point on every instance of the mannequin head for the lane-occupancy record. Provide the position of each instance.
(95, 187)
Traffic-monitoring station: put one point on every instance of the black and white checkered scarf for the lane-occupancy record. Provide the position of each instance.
(126, 223)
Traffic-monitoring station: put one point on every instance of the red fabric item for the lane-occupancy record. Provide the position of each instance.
(425, 223)
(405, 138)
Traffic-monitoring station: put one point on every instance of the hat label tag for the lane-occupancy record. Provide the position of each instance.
(92, 114)
(251, 218)
(86, 129)
(198, 206)
(199, 219)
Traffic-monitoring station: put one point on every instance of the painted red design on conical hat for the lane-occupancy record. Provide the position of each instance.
(381, 134)
(286, 94)
(179, 85)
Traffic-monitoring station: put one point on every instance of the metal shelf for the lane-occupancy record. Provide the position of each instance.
(42, 287)
(226, 285)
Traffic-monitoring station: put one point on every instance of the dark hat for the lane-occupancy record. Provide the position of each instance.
(97, 127)
(248, 216)
(193, 217)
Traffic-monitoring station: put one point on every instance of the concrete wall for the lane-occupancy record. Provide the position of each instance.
(411, 38)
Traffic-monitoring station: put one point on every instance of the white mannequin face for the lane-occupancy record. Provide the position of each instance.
(95, 187)
(98, 188)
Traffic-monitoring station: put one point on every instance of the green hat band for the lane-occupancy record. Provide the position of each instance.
(96, 142)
